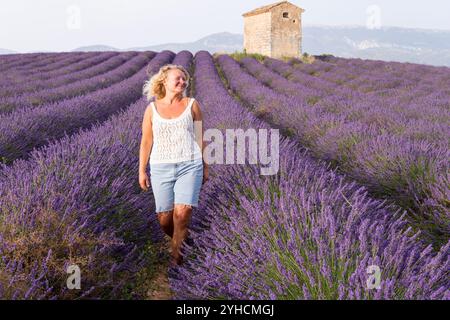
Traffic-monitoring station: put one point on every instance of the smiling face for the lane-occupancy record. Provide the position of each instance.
(176, 81)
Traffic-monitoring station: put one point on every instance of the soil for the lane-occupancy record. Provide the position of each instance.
(159, 288)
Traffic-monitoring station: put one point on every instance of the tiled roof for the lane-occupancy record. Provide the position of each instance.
(267, 8)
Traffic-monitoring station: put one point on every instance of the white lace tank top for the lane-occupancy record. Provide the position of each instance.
(174, 139)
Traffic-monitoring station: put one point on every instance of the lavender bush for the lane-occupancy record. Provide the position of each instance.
(360, 139)
(62, 75)
(28, 128)
(62, 62)
(305, 233)
(123, 66)
(80, 203)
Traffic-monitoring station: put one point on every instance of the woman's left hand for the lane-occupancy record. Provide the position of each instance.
(205, 173)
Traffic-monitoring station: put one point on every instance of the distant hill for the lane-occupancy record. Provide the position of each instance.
(218, 42)
(96, 48)
(6, 51)
(388, 43)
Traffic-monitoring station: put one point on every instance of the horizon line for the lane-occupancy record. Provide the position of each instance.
(13, 51)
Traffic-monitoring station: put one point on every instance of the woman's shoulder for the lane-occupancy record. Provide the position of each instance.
(192, 100)
(196, 111)
(195, 104)
(148, 114)
(148, 109)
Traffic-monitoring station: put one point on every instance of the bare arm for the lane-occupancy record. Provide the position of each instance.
(197, 115)
(145, 148)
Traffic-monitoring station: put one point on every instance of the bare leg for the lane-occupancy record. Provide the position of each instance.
(166, 222)
(181, 218)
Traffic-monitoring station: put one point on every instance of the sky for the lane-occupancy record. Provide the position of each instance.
(63, 25)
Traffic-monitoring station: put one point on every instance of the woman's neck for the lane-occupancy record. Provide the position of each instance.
(170, 99)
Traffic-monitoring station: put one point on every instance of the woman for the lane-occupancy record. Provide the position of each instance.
(175, 147)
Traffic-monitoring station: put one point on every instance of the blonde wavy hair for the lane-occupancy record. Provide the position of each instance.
(155, 86)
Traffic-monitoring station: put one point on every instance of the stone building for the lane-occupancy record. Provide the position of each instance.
(274, 30)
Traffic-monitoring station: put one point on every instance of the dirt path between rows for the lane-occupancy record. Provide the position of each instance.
(159, 288)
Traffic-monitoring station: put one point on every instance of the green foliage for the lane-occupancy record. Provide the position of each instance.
(307, 58)
(237, 55)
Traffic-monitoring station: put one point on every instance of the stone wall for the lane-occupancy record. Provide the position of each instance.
(257, 34)
(273, 35)
(286, 32)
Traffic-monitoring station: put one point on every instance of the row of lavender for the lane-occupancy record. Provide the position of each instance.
(403, 106)
(365, 71)
(29, 128)
(394, 165)
(44, 79)
(23, 75)
(28, 65)
(368, 68)
(79, 203)
(300, 234)
(320, 88)
(26, 72)
(20, 62)
(432, 86)
(414, 83)
(410, 84)
(399, 115)
(344, 95)
(79, 83)
(7, 61)
(392, 115)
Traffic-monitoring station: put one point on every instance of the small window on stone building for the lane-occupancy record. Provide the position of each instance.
(285, 14)
(294, 21)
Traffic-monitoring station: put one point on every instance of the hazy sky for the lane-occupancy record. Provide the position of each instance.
(62, 25)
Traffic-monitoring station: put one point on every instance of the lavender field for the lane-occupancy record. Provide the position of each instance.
(363, 180)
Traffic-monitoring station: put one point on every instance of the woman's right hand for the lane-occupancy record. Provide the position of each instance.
(144, 181)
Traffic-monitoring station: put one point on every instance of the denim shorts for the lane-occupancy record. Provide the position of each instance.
(178, 183)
